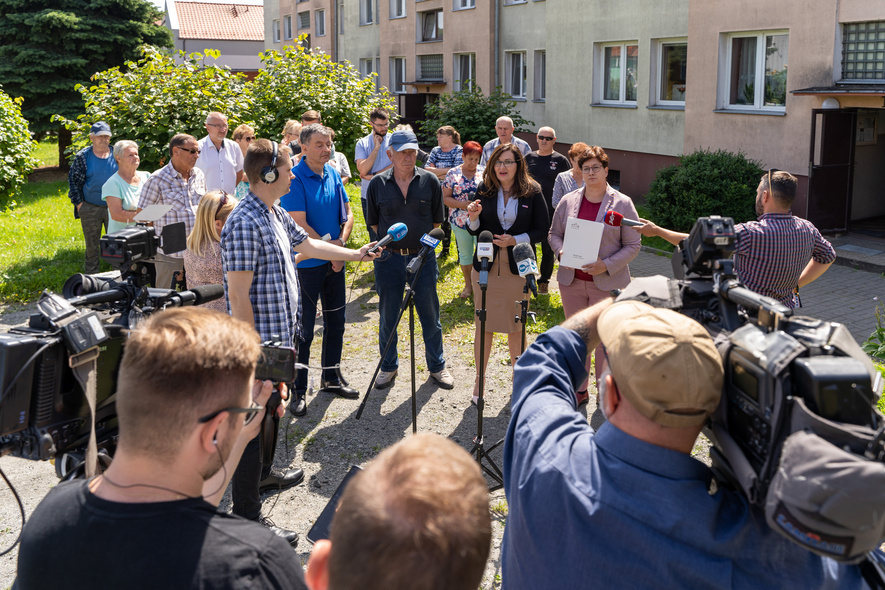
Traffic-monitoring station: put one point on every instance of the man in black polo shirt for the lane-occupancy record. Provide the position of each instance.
(545, 165)
(406, 194)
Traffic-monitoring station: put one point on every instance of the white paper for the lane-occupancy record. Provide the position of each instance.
(153, 212)
(580, 245)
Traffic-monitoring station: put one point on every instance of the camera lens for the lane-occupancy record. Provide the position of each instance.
(81, 284)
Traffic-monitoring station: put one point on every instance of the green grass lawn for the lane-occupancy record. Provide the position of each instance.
(47, 152)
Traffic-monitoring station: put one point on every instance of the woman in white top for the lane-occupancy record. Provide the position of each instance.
(121, 191)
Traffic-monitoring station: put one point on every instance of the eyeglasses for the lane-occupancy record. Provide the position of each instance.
(594, 170)
(502, 163)
(249, 412)
(221, 203)
(248, 138)
(219, 125)
(545, 138)
(191, 150)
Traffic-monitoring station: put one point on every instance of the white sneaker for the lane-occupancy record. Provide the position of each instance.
(385, 379)
(444, 379)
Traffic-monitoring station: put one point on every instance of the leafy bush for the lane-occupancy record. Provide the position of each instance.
(298, 80)
(153, 99)
(875, 344)
(704, 183)
(16, 147)
(472, 114)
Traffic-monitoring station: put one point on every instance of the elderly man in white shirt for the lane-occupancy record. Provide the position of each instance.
(221, 159)
(504, 129)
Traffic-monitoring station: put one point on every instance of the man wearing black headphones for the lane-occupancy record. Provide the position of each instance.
(258, 246)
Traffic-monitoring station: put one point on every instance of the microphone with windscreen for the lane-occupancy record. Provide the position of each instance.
(616, 219)
(395, 232)
(429, 242)
(524, 255)
(485, 253)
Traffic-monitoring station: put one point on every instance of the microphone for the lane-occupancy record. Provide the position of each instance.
(196, 296)
(524, 255)
(110, 296)
(485, 251)
(395, 232)
(616, 219)
(429, 242)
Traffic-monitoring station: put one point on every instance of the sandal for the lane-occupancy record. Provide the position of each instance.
(465, 294)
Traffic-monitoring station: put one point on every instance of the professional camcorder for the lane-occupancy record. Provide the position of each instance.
(797, 431)
(44, 413)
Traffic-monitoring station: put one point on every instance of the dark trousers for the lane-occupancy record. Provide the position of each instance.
(244, 484)
(319, 282)
(548, 258)
(94, 220)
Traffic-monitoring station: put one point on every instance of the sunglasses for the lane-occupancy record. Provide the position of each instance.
(221, 203)
(249, 412)
(249, 138)
(545, 138)
(191, 150)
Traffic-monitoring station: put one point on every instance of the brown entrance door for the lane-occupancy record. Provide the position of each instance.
(830, 174)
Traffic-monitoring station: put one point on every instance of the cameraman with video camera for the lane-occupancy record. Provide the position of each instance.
(778, 253)
(150, 520)
(627, 506)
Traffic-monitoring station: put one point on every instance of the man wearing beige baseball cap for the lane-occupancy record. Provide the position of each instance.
(627, 506)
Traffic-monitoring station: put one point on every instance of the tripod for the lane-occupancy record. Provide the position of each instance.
(479, 449)
(524, 314)
(408, 303)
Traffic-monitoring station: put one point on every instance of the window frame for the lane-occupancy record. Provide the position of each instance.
(402, 70)
(599, 78)
(303, 22)
(373, 8)
(515, 2)
(319, 20)
(659, 68)
(463, 5)
(275, 30)
(458, 83)
(438, 57)
(539, 91)
(439, 26)
(844, 41)
(725, 68)
(287, 27)
(508, 67)
(392, 14)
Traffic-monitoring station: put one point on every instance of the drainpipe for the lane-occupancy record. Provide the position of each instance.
(497, 44)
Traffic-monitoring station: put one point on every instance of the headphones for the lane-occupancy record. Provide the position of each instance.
(269, 174)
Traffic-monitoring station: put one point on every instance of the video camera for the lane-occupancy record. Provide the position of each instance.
(797, 431)
(43, 410)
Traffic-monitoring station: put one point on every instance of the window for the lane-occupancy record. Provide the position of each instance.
(367, 12)
(756, 71)
(617, 74)
(430, 67)
(516, 72)
(276, 30)
(397, 8)
(398, 75)
(431, 24)
(509, 2)
(287, 26)
(465, 71)
(462, 4)
(672, 60)
(340, 18)
(540, 75)
(304, 20)
(367, 66)
(863, 51)
(320, 18)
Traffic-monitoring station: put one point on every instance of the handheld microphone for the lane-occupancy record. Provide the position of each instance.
(485, 251)
(524, 255)
(429, 242)
(395, 232)
(616, 219)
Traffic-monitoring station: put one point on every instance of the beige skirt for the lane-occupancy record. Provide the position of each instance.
(502, 296)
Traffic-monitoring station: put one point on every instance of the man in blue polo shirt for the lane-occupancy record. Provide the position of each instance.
(319, 205)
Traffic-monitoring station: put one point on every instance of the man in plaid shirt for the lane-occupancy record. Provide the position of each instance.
(258, 246)
(779, 252)
(180, 184)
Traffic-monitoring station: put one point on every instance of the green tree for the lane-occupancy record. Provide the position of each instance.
(16, 147)
(49, 46)
(298, 80)
(704, 183)
(158, 96)
(472, 113)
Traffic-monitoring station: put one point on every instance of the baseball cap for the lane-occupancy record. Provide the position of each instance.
(664, 363)
(100, 128)
(403, 140)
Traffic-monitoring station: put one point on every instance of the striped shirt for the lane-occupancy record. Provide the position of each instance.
(771, 254)
(167, 187)
(249, 243)
(440, 159)
(564, 184)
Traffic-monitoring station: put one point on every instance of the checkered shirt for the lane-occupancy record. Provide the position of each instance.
(772, 252)
(167, 187)
(77, 177)
(249, 243)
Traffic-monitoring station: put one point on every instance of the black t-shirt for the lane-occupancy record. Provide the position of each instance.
(76, 540)
(545, 169)
(421, 209)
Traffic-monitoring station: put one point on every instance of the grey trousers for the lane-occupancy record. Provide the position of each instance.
(94, 220)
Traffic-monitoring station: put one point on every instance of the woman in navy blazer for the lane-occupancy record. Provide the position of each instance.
(512, 208)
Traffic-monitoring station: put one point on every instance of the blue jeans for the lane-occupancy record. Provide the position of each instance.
(390, 282)
(320, 283)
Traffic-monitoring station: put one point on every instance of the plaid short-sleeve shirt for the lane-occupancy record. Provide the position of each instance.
(249, 243)
(771, 254)
(167, 186)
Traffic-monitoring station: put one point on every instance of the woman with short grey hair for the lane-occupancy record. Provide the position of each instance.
(121, 191)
